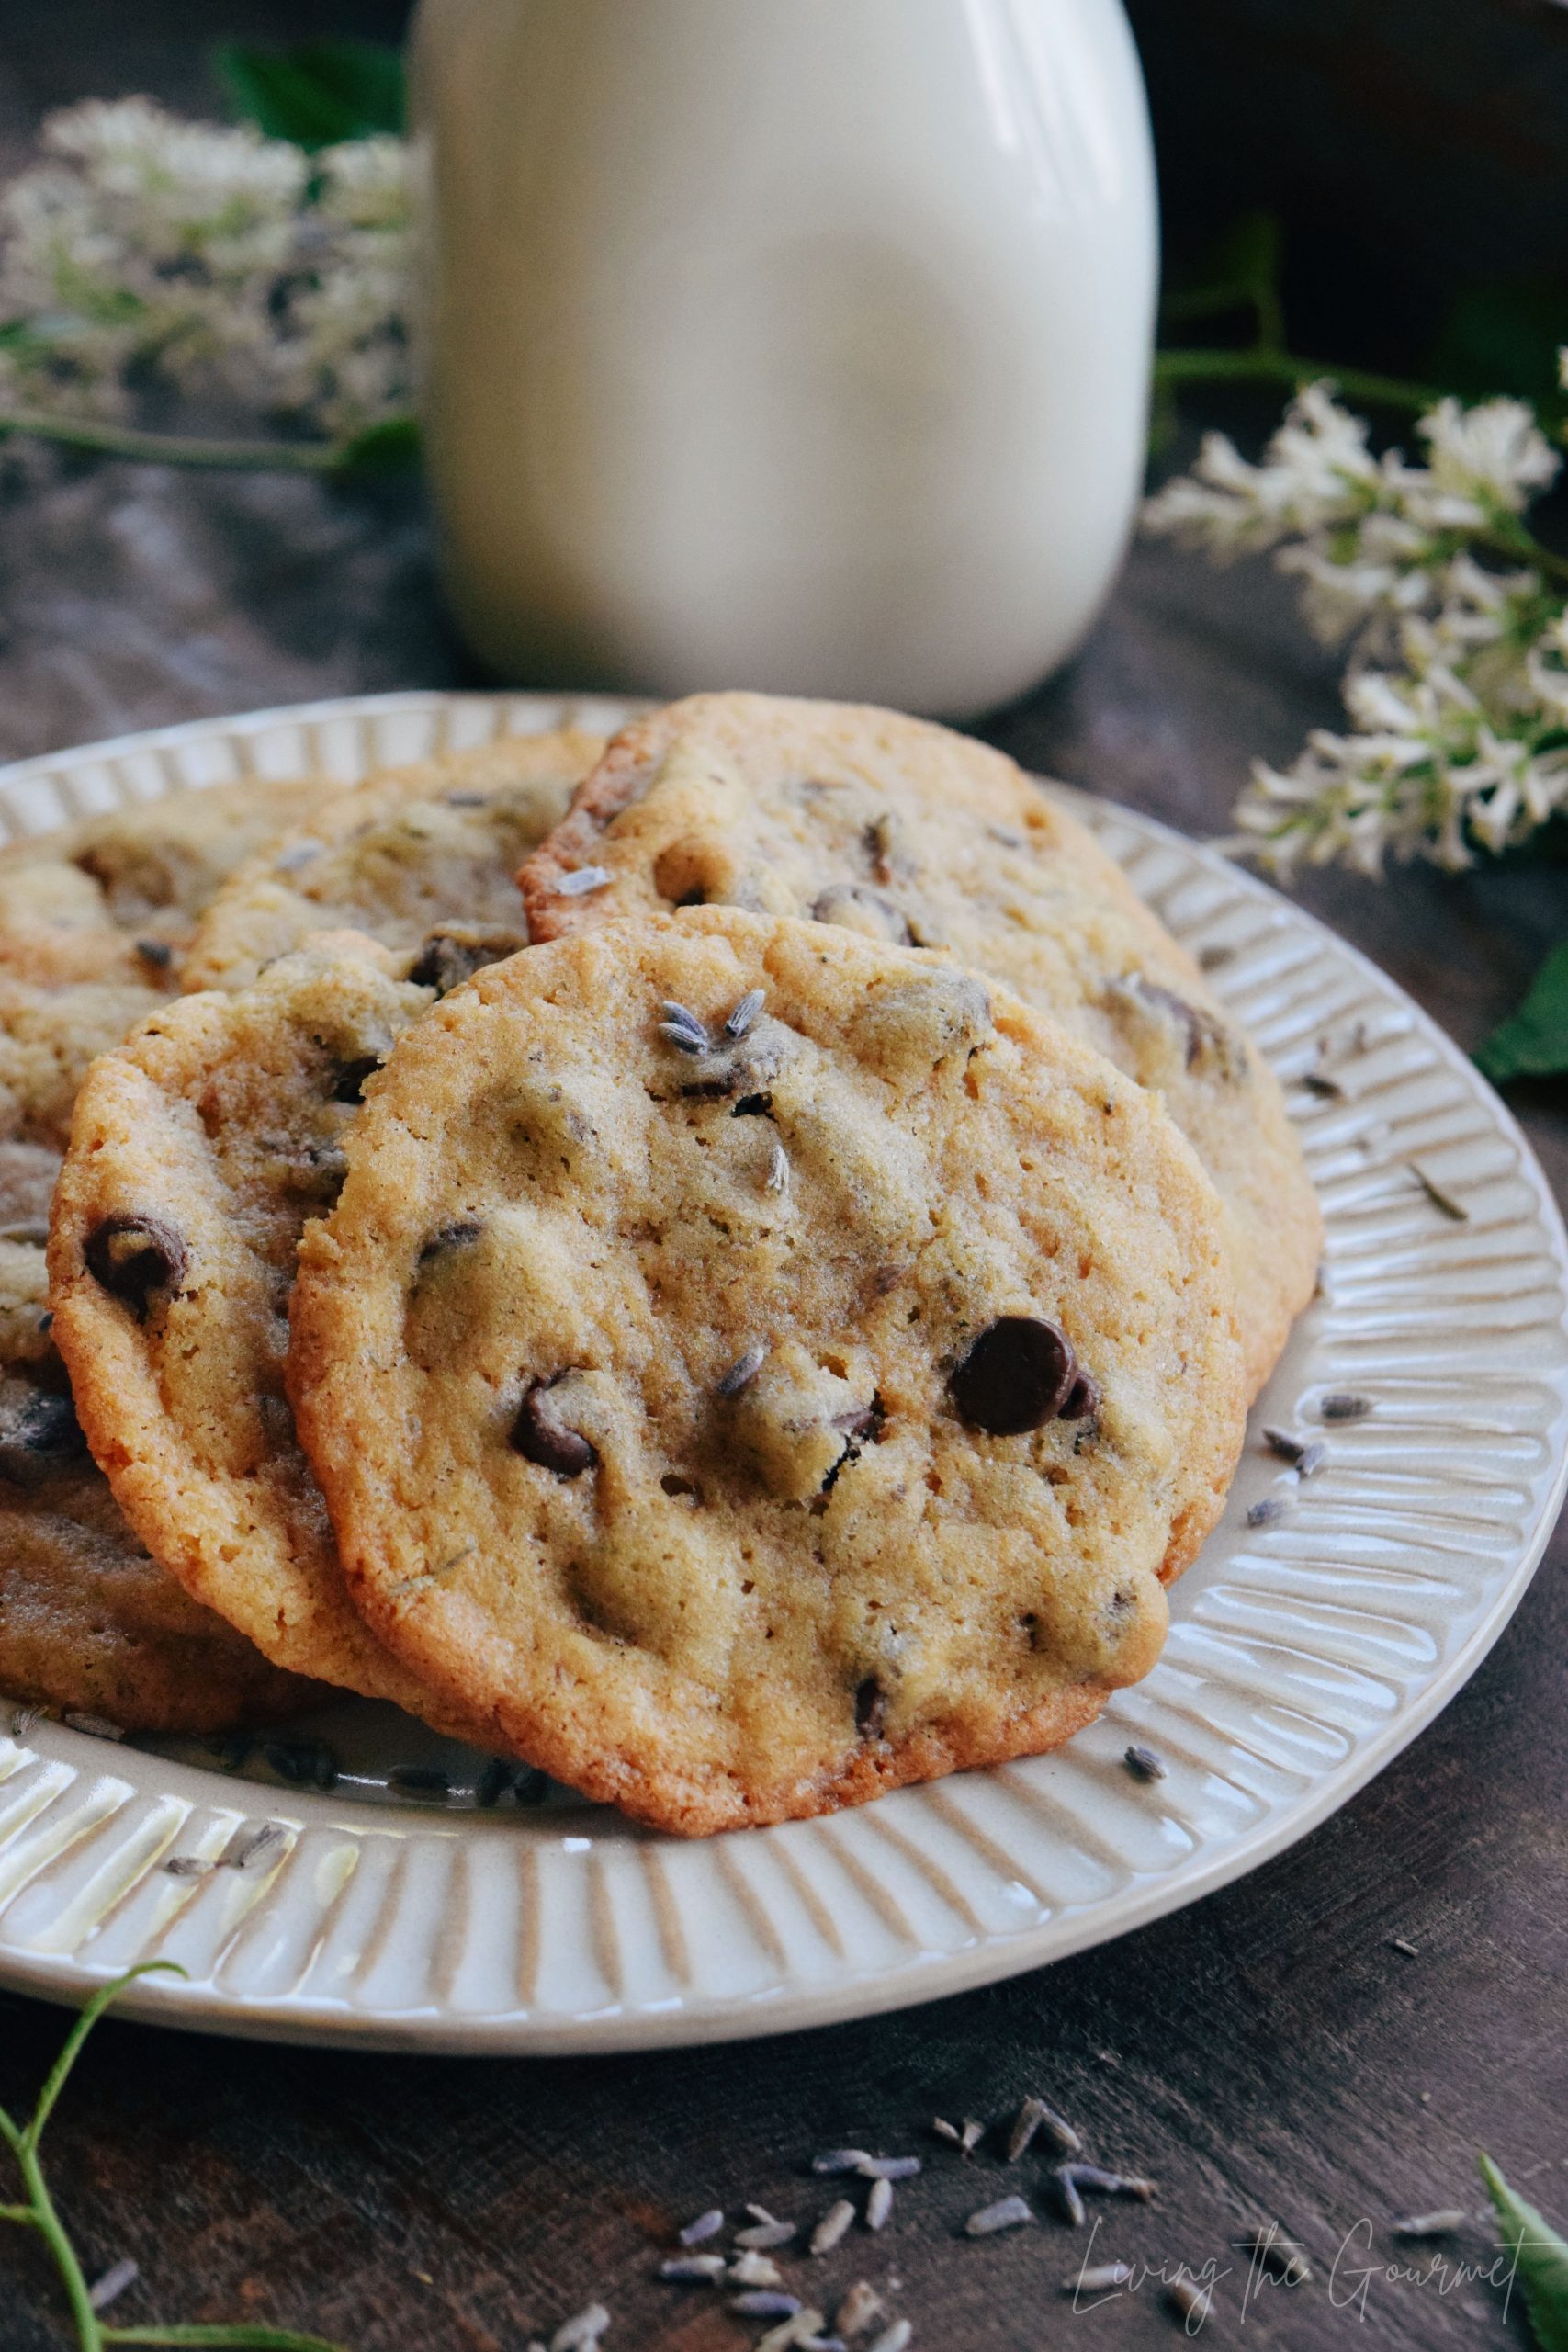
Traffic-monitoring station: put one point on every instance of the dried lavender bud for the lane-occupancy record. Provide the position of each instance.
(745, 1013)
(879, 2204)
(752, 2269)
(765, 2303)
(692, 2269)
(743, 1370)
(1067, 2197)
(1288, 1447)
(1341, 1405)
(765, 2235)
(583, 2328)
(1437, 1196)
(1190, 2302)
(840, 2160)
(832, 2226)
(706, 2225)
(1007, 2213)
(1145, 1765)
(889, 2167)
(577, 884)
(1035, 2115)
(1267, 1512)
(894, 2338)
(1440, 2224)
(1097, 2182)
(860, 2307)
(1098, 2281)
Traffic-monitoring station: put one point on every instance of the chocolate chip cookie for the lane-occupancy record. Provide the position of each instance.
(903, 831)
(753, 1365)
(421, 858)
(200, 1150)
(93, 919)
(89, 1623)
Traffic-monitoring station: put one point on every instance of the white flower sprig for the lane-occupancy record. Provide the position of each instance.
(148, 249)
(1456, 688)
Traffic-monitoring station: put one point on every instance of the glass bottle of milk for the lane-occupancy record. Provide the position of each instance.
(795, 344)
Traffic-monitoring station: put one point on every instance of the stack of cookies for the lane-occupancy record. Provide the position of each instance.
(753, 1311)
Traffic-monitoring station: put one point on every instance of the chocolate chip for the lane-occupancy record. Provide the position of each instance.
(1208, 1045)
(39, 1431)
(156, 951)
(133, 1256)
(449, 1236)
(351, 1080)
(1018, 1376)
(455, 952)
(540, 1438)
(753, 1106)
(871, 1708)
(1082, 1399)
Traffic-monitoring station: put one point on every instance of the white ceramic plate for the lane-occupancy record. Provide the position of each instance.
(1304, 1653)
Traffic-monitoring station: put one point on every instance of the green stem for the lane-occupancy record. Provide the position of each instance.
(175, 448)
(89, 2333)
(1272, 367)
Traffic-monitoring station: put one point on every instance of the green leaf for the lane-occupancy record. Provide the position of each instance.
(1240, 272)
(1503, 338)
(389, 448)
(318, 93)
(1540, 2259)
(1532, 1042)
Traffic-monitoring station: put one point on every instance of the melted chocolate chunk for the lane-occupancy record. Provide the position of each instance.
(1082, 1399)
(540, 1438)
(1018, 1376)
(352, 1077)
(455, 952)
(133, 1256)
(39, 1432)
(871, 1708)
(449, 1236)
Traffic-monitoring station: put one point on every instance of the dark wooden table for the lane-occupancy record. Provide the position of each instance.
(1270, 2052)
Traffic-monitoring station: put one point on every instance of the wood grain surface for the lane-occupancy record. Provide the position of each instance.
(1270, 2053)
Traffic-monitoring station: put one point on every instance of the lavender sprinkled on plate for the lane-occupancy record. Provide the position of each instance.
(1143, 1765)
(1341, 1405)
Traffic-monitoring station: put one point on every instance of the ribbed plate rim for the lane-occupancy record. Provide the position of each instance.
(68, 1980)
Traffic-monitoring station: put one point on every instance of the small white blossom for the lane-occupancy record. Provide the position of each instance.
(1458, 685)
(146, 246)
